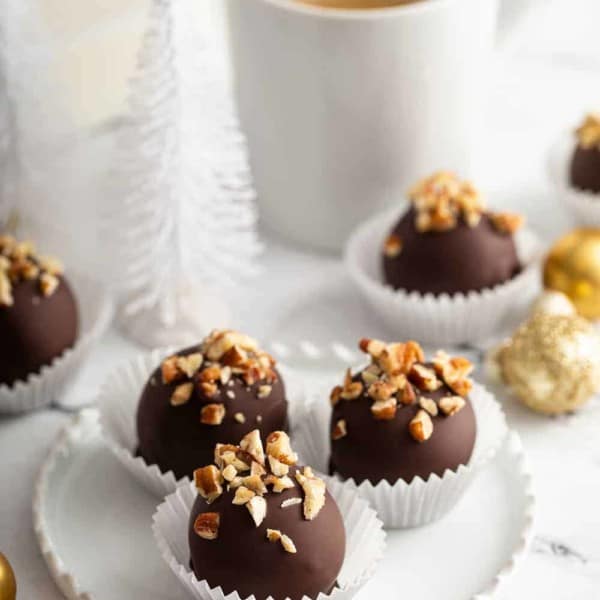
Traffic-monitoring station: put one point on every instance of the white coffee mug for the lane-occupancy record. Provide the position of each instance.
(345, 109)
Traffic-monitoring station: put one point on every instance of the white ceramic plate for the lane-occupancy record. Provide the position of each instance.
(93, 524)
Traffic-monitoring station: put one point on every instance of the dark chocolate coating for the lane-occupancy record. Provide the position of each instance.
(459, 260)
(585, 169)
(36, 329)
(173, 437)
(377, 450)
(242, 558)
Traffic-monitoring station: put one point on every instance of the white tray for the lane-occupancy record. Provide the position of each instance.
(93, 524)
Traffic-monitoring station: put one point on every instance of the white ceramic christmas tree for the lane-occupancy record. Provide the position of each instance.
(182, 218)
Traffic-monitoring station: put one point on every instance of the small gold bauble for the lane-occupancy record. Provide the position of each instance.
(573, 267)
(8, 583)
(552, 362)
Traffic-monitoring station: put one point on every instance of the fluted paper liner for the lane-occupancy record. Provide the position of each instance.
(404, 505)
(365, 543)
(41, 389)
(118, 401)
(441, 319)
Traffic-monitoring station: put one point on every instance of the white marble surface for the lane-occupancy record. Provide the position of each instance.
(551, 75)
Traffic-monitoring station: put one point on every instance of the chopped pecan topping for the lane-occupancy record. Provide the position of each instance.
(450, 405)
(210, 374)
(182, 394)
(229, 473)
(372, 347)
(212, 414)
(48, 284)
(279, 483)
(252, 444)
(207, 524)
(264, 391)
(507, 222)
(424, 378)
(278, 468)
(336, 394)
(407, 396)
(6, 297)
(314, 493)
(239, 417)
(455, 372)
(279, 447)
(384, 410)
(288, 544)
(242, 495)
(380, 391)
(208, 482)
(421, 426)
(190, 364)
(429, 405)
(170, 371)
(257, 507)
(392, 246)
(351, 389)
(339, 431)
(588, 133)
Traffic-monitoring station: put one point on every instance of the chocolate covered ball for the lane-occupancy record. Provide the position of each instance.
(401, 417)
(38, 311)
(261, 525)
(585, 163)
(447, 242)
(212, 393)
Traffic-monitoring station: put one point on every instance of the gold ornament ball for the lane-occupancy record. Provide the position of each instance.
(8, 583)
(552, 362)
(573, 267)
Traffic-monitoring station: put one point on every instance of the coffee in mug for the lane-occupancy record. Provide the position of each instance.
(357, 4)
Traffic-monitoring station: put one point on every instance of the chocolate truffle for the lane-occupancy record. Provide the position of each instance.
(38, 312)
(400, 417)
(212, 393)
(585, 164)
(261, 525)
(448, 243)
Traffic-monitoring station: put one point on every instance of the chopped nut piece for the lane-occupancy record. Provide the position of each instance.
(399, 358)
(256, 484)
(408, 395)
(339, 431)
(351, 389)
(450, 405)
(314, 493)
(381, 391)
(368, 377)
(229, 473)
(222, 341)
(264, 391)
(278, 446)
(257, 507)
(48, 284)
(189, 364)
(291, 502)
(278, 468)
(208, 483)
(429, 405)
(209, 389)
(454, 371)
(210, 374)
(273, 535)
(384, 410)
(252, 444)
(239, 417)
(182, 394)
(288, 544)
(392, 246)
(372, 347)
(257, 469)
(169, 370)
(228, 454)
(234, 357)
(50, 265)
(212, 414)
(4, 262)
(242, 495)
(279, 483)
(421, 426)
(6, 297)
(225, 375)
(335, 395)
(207, 524)
(424, 378)
(507, 222)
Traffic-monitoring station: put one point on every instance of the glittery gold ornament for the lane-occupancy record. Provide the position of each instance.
(573, 267)
(552, 362)
(8, 583)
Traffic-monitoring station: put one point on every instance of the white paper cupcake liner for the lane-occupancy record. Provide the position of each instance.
(118, 400)
(583, 206)
(404, 505)
(96, 309)
(365, 543)
(443, 320)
